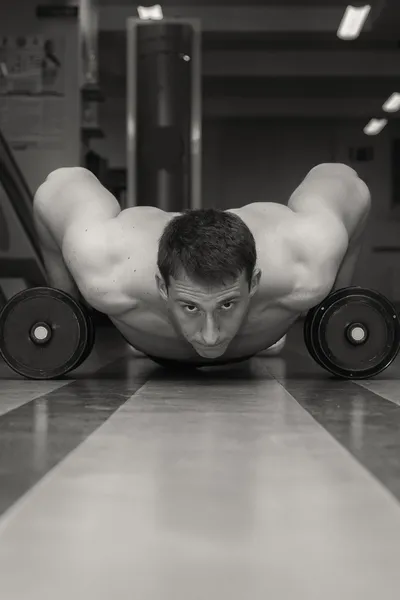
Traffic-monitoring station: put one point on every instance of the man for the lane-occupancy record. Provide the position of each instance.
(207, 286)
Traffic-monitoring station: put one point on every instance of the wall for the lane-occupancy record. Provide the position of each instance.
(261, 160)
(17, 17)
(257, 160)
(265, 160)
(112, 120)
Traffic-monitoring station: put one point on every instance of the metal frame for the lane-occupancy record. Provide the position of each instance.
(196, 115)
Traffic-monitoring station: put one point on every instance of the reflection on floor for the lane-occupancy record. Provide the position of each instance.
(264, 480)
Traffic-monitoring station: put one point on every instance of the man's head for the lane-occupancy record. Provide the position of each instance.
(206, 260)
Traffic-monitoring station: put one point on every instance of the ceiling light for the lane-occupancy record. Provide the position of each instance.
(353, 22)
(150, 13)
(393, 103)
(375, 126)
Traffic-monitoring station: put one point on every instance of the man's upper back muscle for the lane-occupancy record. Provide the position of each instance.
(287, 263)
(121, 262)
(124, 260)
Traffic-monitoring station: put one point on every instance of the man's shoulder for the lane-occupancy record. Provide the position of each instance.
(124, 260)
(139, 228)
(293, 258)
(273, 225)
(152, 216)
(262, 210)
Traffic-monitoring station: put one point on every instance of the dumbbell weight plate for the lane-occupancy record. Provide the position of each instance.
(91, 338)
(307, 329)
(354, 333)
(44, 333)
(3, 300)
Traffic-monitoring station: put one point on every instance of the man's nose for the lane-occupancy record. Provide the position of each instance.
(210, 333)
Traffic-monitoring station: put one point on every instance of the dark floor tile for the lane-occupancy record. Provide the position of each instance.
(35, 437)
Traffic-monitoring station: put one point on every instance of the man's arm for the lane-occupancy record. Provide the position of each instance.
(70, 209)
(334, 188)
(58, 275)
(333, 204)
(346, 270)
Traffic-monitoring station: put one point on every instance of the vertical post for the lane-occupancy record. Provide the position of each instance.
(196, 119)
(89, 33)
(164, 114)
(131, 112)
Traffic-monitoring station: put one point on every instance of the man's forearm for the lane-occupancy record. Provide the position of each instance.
(58, 275)
(345, 275)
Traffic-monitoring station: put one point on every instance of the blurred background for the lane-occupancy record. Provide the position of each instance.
(284, 86)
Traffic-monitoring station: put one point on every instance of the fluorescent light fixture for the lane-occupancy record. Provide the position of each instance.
(150, 13)
(352, 22)
(392, 104)
(375, 126)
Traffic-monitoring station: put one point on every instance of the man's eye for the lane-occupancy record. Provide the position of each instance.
(190, 308)
(226, 307)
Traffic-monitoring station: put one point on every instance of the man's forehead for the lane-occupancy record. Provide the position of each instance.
(184, 283)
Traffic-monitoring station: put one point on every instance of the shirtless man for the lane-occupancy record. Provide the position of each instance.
(202, 287)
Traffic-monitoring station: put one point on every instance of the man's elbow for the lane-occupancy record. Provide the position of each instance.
(62, 173)
(358, 189)
(364, 193)
(335, 169)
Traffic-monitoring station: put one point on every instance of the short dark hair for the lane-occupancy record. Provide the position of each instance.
(210, 246)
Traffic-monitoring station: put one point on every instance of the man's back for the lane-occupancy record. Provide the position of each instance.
(135, 307)
(111, 256)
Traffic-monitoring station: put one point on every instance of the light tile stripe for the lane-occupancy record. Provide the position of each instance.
(204, 488)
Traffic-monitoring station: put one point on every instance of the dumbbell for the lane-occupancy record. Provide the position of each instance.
(354, 333)
(45, 333)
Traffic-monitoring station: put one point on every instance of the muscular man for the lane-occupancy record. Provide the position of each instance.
(204, 286)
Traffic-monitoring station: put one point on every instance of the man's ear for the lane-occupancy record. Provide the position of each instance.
(255, 281)
(161, 286)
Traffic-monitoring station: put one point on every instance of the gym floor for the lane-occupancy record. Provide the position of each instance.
(263, 480)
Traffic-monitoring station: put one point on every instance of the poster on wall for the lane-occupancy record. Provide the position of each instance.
(32, 91)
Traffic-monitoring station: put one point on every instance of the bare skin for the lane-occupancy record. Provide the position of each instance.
(164, 323)
(110, 257)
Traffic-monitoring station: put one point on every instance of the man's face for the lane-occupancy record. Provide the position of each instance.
(208, 318)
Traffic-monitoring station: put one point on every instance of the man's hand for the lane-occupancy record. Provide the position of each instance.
(275, 349)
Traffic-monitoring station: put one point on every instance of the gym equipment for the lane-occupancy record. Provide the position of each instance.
(307, 335)
(354, 333)
(45, 333)
(164, 113)
(3, 299)
(91, 337)
(20, 253)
